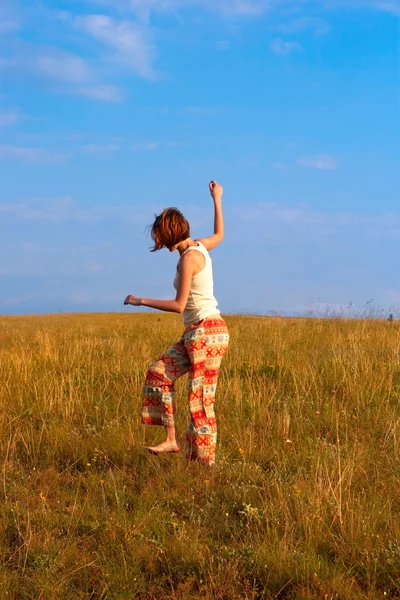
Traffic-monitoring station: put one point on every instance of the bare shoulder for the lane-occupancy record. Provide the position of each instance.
(210, 242)
(186, 261)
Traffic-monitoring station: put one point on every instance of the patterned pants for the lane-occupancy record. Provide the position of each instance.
(199, 352)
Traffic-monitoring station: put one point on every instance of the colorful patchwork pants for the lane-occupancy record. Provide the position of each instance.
(199, 352)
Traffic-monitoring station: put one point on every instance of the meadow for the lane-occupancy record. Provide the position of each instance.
(303, 503)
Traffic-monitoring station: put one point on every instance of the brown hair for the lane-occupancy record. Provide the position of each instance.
(169, 229)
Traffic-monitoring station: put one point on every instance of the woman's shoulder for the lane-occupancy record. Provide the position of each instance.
(201, 245)
(187, 258)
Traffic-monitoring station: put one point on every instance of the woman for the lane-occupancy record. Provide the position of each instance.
(204, 341)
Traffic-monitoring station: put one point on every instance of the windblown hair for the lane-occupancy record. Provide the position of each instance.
(169, 229)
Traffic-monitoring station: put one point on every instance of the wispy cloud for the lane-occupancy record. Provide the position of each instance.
(107, 93)
(323, 162)
(69, 72)
(276, 212)
(9, 117)
(301, 24)
(222, 45)
(237, 7)
(54, 210)
(31, 155)
(65, 209)
(47, 62)
(318, 223)
(8, 26)
(143, 8)
(129, 41)
(100, 150)
(128, 38)
(16, 300)
(280, 166)
(62, 66)
(390, 6)
(144, 146)
(279, 46)
(9, 18)
(207, 111)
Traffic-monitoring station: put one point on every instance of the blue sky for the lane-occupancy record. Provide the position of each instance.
(112, 110)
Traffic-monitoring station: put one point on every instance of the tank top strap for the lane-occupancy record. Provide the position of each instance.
(199, 248)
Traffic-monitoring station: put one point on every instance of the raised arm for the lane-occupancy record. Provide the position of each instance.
(210, 242)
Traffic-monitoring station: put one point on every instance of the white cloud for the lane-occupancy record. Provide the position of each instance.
(15, 300)
(222, 45)
(279, 46)
(9, 18)
(207, 111)
(143, 8)
(272, 211)
(65, 209)
(49, 63)
(107, 93)
(62, 66)
(128, 39)
(9, 117)
(322, 162)
(319, 26)
(280, 218)
(173, 144)
(280, 166)
(144, 146)
(237, 7)
(101, 150)
(71, 73)
(55, 210)
(32, 155)
(8, 26)
(390, 6)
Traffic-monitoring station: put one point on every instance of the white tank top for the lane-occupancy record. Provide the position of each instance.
(201, 302)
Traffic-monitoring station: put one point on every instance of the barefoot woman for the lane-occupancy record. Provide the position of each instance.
(204, 341)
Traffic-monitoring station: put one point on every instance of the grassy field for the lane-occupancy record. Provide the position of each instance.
(304, 501)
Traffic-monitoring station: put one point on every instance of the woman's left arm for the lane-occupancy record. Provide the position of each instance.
(186, 269)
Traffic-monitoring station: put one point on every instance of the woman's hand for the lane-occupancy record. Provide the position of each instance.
(216, 190)
(134, 300)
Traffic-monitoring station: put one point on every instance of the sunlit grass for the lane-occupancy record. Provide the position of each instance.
(303, 503)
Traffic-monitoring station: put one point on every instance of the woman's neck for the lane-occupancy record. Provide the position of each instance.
(185, 245)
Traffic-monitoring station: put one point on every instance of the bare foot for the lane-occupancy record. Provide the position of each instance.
(164, 447)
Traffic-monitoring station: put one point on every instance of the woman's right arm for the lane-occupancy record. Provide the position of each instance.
(210, 242)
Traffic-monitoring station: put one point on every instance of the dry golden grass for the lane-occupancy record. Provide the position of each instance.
(303, 503)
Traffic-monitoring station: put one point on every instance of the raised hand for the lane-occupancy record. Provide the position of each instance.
(216, 190)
